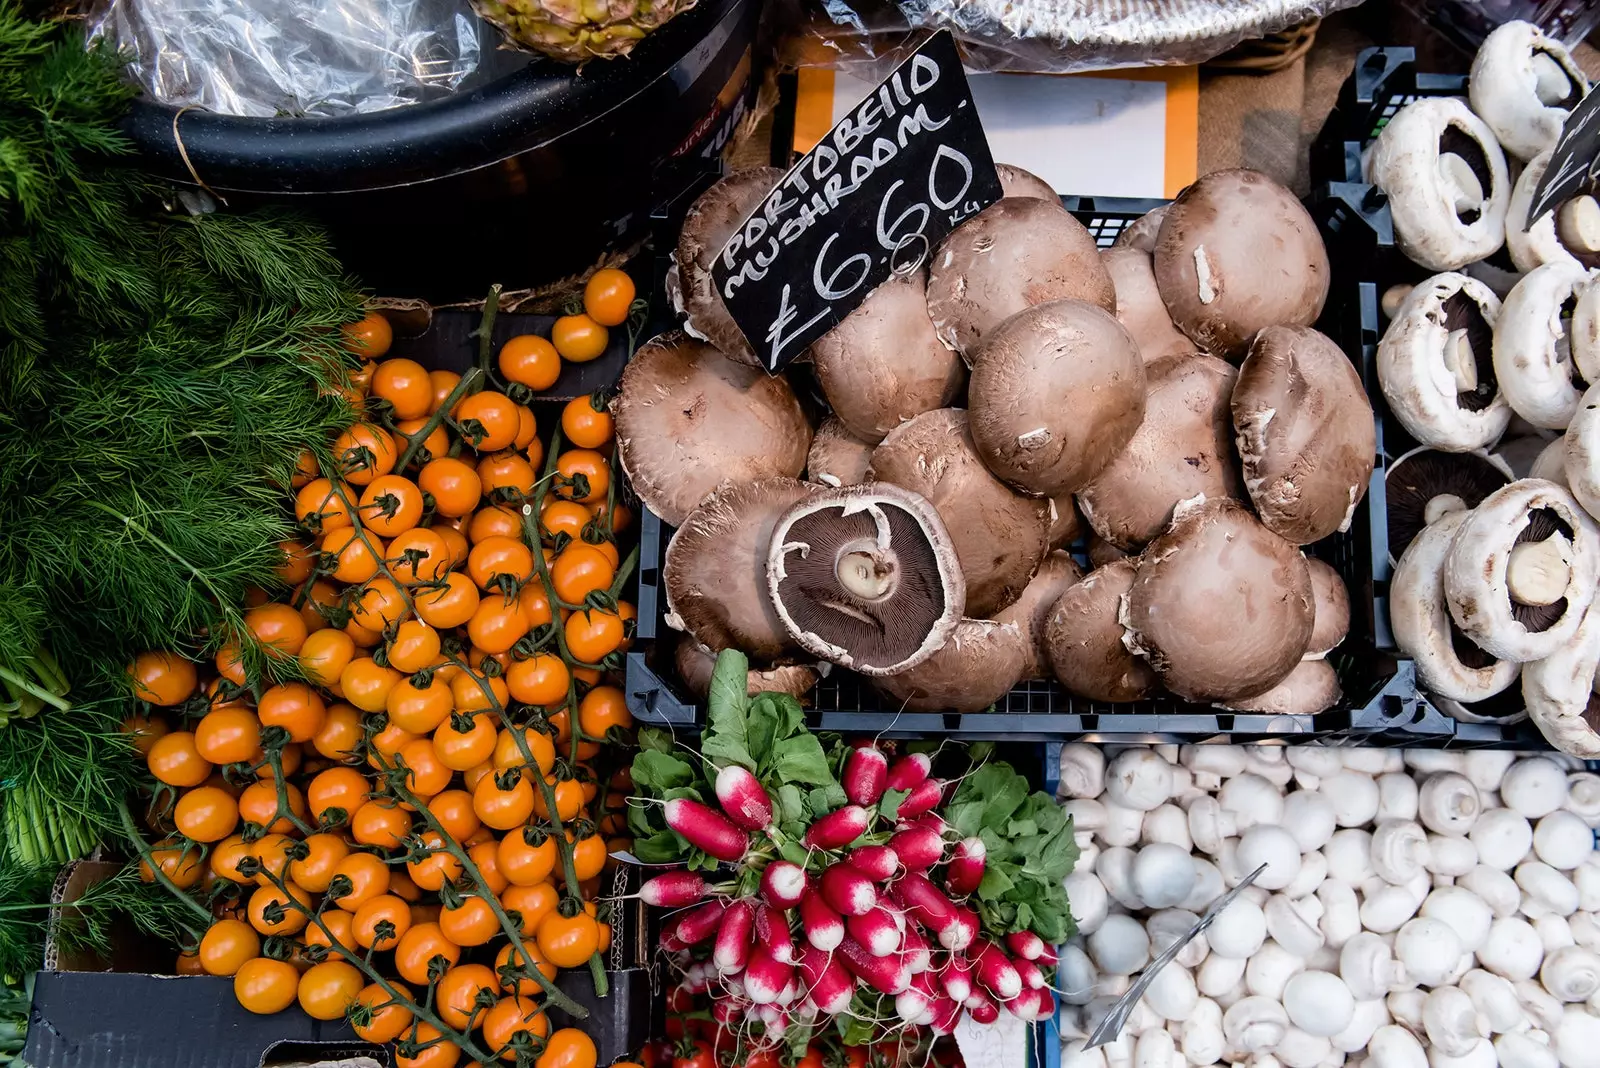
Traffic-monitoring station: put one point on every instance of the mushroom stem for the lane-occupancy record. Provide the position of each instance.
(1551, 84)
(1393, 297)
(1460, 182)
(1578, 224)
(1442, 505)
(1538, 571)
(864, 574)
(1458, 357)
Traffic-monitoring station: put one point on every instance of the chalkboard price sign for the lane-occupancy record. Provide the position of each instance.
(1574, 166)
(906, 166)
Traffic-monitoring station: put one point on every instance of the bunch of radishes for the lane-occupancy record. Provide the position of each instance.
(857, 925)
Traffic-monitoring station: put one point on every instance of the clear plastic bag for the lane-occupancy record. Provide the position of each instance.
(292, 57)
(1041, 36)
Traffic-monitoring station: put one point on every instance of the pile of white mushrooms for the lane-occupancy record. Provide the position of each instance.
(1489, 366)
(1419, 909)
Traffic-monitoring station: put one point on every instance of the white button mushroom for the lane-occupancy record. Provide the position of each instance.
(1554, 933)
(1210, 825)
(1364, 1022)
(1250, 799)
(1121, 946)
(1503, 837)
(1313, 870)
(1428, 948)
(1318, 1003)
(1466, 913)
(1585, 929)
(1512, 950)
(1450, 856)
(1481, 1055)
(1354, 797)
(1154, 1049)
(1392, 1046)
(1202, 1034)
(1301, 1049)
(1583, 796)
(1310, 817)
(1546, 887)
(1162, 875)
(1211, 764)
(1254, 1025)
(1220, 976)
(1273, 846)
(1571, 973)
(1076, 975)
(1238, 931)
(1538, 1007)
(1577, 1038)
(1086, 814)
(1168, 926)
(1138, 779)
(1495, 1000)
(1266, 973)
(1486, 767)
(1073, 1055)
(1291, 928)
(1341, 913)
(1208, 886)
(1397, 797)
(1497, 889)
(1083, 771)
(1453, 1024)
(1349, 854)
(1406, 1008)
(1562, 840)
(1586, 877)
(1387, 908)
(1399, 850)
(1122, 825)
(1172, 993)
(1115, 869)
(1448, 804)
(1168, 824)
(1088, 899)
(1517, 1049)
(1534, 787)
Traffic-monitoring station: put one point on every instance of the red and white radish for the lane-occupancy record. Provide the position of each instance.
(707, 829)
(876, 930)
(876, 862)
(982, 1009)
(957, 978)
(827, 983)
(1047, 957)
(772, 931)
(886, 975)
(1031, 1005)
(965, 871)
(995, 973)
(924, 797)
(923, 903)
(783, 884)
(908, 772)
(1032, 977)
(731, 951)
(701, 923)
(914, 1006)
(919, 957)
(946, 1015)
(824, 928)
(742, 798)
(963, 930)
(847, 891)
(919, 848)
(1025, 944)
(728, 1011)
(765, 978)
(866, 775)
(673, 889)
(671, 943)
(839, 828)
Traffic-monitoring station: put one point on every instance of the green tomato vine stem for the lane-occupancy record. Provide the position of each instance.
(131, 829)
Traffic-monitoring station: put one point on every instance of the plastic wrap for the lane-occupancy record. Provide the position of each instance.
(1043, 36)
(292, 57)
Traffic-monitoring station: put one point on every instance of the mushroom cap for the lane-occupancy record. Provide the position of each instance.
(1020, 374)
(715, 569)
(1031, 611)
(1014, 254)
(1559, 692)
(837, 457)
(1102, 552)
(1182, 449)
(1424, 392)
(1083, 639)
(1000, 536)
(695, 664)
(688, 417)
(1475, 570)
(1448, 663)
(976, 667)
(1504, 88)
(1445, 480)
(883, 364)
(1404, 162)
(710, 222)
(1066, 525)
(1538, 244)
(1533, 347)
(1236, 253)
(1143, 232)
(1306, 434)
(1583, 336)
(1331, 616)
(1221, 607)
(1312, 687)
(1551, 464)
(1140, 307)
(1581, 452)
(1016, 182)
(865, 576)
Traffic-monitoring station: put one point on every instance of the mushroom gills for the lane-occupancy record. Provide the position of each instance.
(1539, 569)
(1425, 485)
(1464, 172)
(1469, 352)
(1551, 84)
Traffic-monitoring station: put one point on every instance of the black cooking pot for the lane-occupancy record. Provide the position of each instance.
(524, 180)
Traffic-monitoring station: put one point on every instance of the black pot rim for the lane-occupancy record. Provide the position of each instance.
(423, 142)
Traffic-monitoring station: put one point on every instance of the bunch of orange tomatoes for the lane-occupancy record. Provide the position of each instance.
(393, 798)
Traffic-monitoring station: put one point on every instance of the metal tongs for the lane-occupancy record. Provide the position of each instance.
(1111, 1026)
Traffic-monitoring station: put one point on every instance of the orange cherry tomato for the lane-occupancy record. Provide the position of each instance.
(629, 615)
(341, 734)
(418, 950)
(175, 760)
(435, 869)
(455, 542)
(458, 990)
(386, 745)
(486, 855)
(496, 626)
(227, 945)
(586, 423)
(400, 885)
(226, 855)
(379, 605)
(277, 626)
(588, 857)
(601, 709)
(449, 605)
(434, 1051)
(272, 911)
(488, 421)
(370, 918)
(305, 469)
(524, 862)
(453, 483)
(542, 679)
(369, 337)
(364, 452)
(532, 903)
(353, 555)
(529, 956)
(459, 750)
(508, 753)
(369, 878)
(265, 986)
(425, 775)
(467, 689)
(364, 638)
(580, 570)
(258, 804)
(295, 707)
(571, 1048)
(529, 360)
(327, 989)
(206, 814)
(325, 654)
(421, 554)
(471, 923)
(387, 1018)
(419, 709)
(567, 941)
(323, 854)
(366, 684)
(503, 808)
(536, 604)
(297, 562)
(444, 383)
(453, 810)
(494, 521)
(338, 932)
(380, 822)
(608, 296)
(569, 799)
(182, 866)
(496, 556)
(527, 430)
(565, 517)
(621, 515)
(342, 789)
(319, 507)
(507, 471)
(391, 505)
(317, 602)
(510, 1017)
(593, 634)
(579, 338)
(143, 730)
(405, 385)
(272, 851)
(585, 476)
(228, 735)
(436, 444)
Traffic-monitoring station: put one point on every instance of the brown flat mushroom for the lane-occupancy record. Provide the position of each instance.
(1143, 231)
(1057, 390)
(1331, 621)
(1066, 525)
(1237, 253)
(1221, 606)
(1305, 433)
(1016, 182)
(976, 667)
(715, 570)
(1139, 305)
(865, 577)
(711, 220)
(1014, 254)
(883, 364)
(688, 417)
(1083, 640)
(1183, 449)
(1031, 611)
(695, 664)
(1102, 552)
(1000, 536)
(1312, 687)
(837, 457)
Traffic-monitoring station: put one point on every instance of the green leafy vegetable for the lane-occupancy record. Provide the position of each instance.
(1030, 851)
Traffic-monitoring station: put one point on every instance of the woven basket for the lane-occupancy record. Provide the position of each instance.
(1273, 52)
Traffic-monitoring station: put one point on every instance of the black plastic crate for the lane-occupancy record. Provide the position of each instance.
(1381, 706)
(1383, 81)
